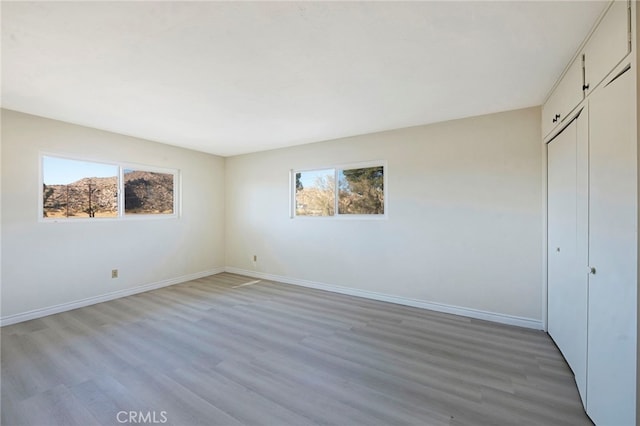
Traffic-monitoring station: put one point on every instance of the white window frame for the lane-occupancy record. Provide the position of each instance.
(336, 169)
(120, 166)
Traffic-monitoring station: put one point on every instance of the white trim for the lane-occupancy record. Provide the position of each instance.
(416, 303)
(63, 307)
(544, 306)
(292, 194)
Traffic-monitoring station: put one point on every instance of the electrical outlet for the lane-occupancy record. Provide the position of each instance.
(114, 273)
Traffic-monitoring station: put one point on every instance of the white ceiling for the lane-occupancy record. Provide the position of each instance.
(234, 77)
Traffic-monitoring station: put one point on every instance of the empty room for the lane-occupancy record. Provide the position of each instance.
(319, 213)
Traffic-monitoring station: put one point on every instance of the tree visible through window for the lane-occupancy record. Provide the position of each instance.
(85, 189)
(74, 189)
(315, 193)
(360, 191)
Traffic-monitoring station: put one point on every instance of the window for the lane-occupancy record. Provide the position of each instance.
(360, 191)
(75, 189)
(147, 192)
(315, 193)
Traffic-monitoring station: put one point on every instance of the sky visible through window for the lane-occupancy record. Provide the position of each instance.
(310, 178)
(358, 191)
(62, 171)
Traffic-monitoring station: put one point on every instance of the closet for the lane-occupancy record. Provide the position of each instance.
(567, 207)
(613, 254)
(592, 221)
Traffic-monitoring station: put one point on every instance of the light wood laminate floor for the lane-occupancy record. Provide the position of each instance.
(208, 352)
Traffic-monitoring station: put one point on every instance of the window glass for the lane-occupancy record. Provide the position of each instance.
(78, 189)
(361, 191)
(147, 192)
(315, 193)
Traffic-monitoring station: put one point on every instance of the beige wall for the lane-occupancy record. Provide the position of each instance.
(464, 219)
(50, 264)
(463, 229)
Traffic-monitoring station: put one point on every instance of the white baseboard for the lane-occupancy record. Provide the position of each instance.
(439, 307)
(416, 303)
(42, 312)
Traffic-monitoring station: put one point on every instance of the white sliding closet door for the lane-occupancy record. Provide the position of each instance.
(611, 390)
(567, 262)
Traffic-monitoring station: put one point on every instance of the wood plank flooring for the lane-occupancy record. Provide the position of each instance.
(208, 352)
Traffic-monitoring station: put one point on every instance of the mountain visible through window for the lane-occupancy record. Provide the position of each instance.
(73, 189)
(76, 189)
(148, 192)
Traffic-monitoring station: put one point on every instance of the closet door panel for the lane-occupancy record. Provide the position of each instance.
(567, 282)
(608, 45)
(611, 386)
(567, 95)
